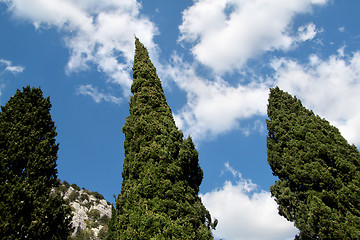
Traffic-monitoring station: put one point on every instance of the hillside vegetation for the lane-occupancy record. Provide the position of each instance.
(91, 212)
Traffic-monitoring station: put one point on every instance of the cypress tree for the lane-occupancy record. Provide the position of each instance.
(161, 175)
(319, 179)
(28, 153)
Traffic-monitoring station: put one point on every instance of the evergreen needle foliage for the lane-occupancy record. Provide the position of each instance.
(161, 175)
(319, 177)
(28, 153)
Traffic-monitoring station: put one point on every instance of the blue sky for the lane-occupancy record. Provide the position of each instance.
(217, 60)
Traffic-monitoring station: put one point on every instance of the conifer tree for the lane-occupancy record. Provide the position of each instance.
(319, 178)
(28, 153)
(161, 175)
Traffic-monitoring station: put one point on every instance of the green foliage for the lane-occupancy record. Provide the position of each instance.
(104, 220)
(63, 187)
(85, 234)
(88, 204)
(161, 175)
(94, 214)
(67, 185)
(76, 187)
(319, 177)
(28, 154)
(84, 197)
(73, 196)
(103, 233)
(97, 195)
(111, 231)
(91, 224)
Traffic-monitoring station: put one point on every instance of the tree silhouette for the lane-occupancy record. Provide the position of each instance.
(319, 178)
(161, 174)
(28, 154)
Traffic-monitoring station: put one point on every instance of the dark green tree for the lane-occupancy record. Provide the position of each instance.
(319, 178)
(161, 174)
(28, 153)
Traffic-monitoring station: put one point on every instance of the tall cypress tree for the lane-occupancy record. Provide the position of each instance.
(161, 175)
(319, 177)
(28, 153)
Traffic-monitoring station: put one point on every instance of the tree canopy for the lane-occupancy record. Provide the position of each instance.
(28, 154)
(319, 178)
(161, 174)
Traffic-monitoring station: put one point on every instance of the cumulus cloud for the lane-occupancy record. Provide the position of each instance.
(329, 86)
(99, 33)
(214, 106)
(244, 214)
(226, 33)
(10, 67)
(307, 32)
(96, 95)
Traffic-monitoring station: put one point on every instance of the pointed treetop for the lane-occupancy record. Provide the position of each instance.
(140, 50)
(144, 72)
(161, 174)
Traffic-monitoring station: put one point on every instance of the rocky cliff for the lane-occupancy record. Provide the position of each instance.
(91, 212)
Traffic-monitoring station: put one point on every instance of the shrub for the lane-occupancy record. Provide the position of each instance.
(104, 220)
(103, 233)
(84, 196)
(94, 214)
(88, 204)
(97, 195)
(91, 224)
(83, 235)
(62, 188)
(73, 196)
(66, 184)
(75, 186)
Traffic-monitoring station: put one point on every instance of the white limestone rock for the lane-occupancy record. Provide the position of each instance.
(91, 212)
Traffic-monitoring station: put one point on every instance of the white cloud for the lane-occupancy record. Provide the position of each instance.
(226, 33)
(341, 51)
(307, 32)
(214, 107)
(9, 67)
(93, 92)
(96, 32)
(245, 184)
(244, 214)
(330, 87)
